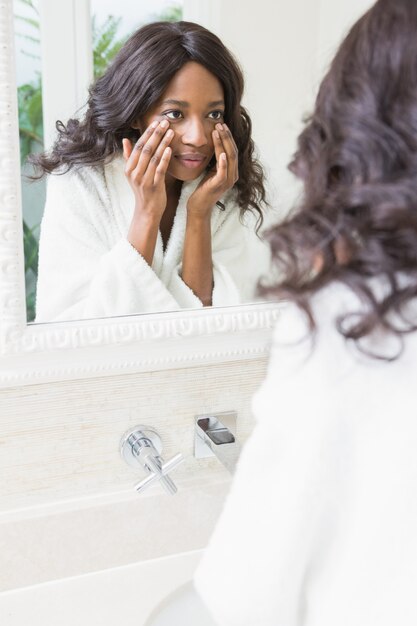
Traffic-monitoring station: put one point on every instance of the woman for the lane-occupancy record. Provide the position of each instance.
(158, 192)
(320, 525)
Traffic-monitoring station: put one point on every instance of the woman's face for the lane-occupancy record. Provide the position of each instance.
(193, 103)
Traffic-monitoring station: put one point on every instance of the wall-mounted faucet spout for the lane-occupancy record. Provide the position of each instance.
(215, 435)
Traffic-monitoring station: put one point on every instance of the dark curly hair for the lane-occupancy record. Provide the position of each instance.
(357, 157)
(134, 81)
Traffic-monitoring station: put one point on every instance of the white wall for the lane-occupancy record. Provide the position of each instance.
(284, 47)
(67, 503)
(336, 17)
(67, 60)
(61, 440)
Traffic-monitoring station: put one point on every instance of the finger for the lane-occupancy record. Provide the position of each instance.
(220, 177)
(137, 148)
(218, 145)
(162, 167)
(223, 162)
(230, 137)
(127, 148)
(150, 147)
(232, 154)
(149, 174)
(228, 143)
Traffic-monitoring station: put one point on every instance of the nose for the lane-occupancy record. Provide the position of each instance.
(194, 133)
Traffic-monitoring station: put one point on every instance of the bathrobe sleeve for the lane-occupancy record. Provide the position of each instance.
(86, 267)
(283, 500)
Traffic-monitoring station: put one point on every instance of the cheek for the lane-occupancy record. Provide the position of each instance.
(146, 121)
(210, 140)
(175, 141)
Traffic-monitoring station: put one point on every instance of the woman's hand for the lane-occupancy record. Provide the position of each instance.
(146, 165)
(197, 262)
(218, 180)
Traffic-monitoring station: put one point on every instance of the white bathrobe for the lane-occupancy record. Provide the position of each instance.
(320, 527)
(87, 268)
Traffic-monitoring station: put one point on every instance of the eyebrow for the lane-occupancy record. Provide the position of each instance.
(182, 103)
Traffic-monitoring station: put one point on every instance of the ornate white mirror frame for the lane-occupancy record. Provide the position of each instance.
(37, 353)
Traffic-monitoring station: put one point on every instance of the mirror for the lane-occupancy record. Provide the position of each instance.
(91, 266)
(94, 256)
(283, 58)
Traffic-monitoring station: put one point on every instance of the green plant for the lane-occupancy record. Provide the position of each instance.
(31, 250)
(29, 97)
(30, 117)
(105, 43)
(172, 13)
(31, 139)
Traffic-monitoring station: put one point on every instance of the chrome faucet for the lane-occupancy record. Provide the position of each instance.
(215, 436)
(142, 446)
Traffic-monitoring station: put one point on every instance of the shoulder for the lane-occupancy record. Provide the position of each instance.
(228, 204)
(78, 196)
(326, 306)
(305, 370)
(245, 217)
(231, 214)
(88, 176)
(78, 182)
(300, 357)
(323, 357)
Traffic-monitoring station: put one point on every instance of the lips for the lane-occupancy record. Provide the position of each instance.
(191, 159)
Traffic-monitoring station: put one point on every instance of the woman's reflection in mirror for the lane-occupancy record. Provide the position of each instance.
(155, 197)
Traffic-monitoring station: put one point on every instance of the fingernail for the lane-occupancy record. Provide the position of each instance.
(154, 124)
(164, 123)
(169, 133)
(219, 127)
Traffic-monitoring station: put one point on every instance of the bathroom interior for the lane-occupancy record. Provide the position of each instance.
(80, 542)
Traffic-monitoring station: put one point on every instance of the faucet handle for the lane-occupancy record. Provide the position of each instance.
(159, 471)
(142, 445)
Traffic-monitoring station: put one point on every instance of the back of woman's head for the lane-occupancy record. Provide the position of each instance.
(135, 81)
(357, 158)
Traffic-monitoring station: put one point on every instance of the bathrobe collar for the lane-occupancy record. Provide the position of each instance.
(122, 202)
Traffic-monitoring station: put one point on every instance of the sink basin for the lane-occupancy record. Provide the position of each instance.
(125, 595)
(182, 607)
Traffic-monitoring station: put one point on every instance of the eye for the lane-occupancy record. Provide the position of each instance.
(173, 115)
(216, 115)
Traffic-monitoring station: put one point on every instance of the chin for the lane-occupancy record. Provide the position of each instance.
(186, 175)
